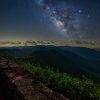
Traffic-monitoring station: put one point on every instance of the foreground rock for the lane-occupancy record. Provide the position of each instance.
(21, 86)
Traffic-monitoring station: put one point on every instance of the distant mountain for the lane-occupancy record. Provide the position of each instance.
(17, 51)
(98, 49)
(77, 61)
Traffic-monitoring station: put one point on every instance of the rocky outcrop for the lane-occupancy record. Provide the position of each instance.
(23, 86)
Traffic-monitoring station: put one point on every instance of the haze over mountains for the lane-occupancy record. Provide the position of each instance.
(90, 44)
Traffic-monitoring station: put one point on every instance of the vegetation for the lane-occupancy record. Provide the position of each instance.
(74, 88)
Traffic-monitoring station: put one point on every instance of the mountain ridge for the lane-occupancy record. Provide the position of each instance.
(73, 60)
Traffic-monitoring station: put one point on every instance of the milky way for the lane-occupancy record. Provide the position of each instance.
(50, 20)
(63, 17)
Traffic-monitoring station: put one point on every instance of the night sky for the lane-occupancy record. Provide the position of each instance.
(50, 20)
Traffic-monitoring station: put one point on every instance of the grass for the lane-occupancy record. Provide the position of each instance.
(71, 87)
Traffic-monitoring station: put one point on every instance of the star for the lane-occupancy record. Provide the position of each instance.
(40, 2)
(80, 11)
(88, 16)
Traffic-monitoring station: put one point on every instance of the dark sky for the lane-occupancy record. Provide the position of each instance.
(50, 19)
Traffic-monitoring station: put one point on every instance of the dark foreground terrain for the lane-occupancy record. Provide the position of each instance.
(71, 71)
(18, 85)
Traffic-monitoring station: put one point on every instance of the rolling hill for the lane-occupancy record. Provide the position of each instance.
(77, 61)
